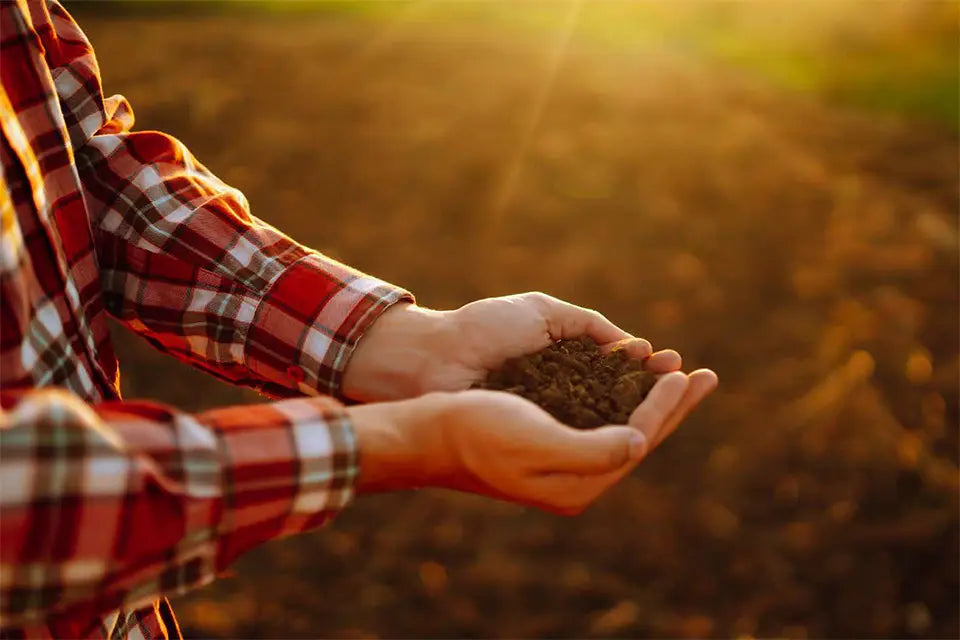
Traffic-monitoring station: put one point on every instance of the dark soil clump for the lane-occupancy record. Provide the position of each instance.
(576, 382)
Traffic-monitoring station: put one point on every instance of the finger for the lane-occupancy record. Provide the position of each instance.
(591, 452)
(565, 320)
(702, 383)
(635, 348)
(660, 404)
(664, 361)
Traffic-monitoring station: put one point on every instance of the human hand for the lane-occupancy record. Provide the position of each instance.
(497, 444)
(410, 350)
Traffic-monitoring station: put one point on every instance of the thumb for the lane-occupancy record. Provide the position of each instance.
(600, 450)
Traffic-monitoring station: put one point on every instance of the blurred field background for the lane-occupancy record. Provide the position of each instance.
(769, 187)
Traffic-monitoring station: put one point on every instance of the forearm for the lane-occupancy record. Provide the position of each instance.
(113, 505)
(398, 354)
(403, 444)
(184, 263)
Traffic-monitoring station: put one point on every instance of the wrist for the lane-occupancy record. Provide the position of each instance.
(392, 358)
(400, 443)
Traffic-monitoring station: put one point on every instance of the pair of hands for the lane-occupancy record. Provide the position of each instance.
(424, 427)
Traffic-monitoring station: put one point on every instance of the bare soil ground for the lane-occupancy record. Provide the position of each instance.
(808, 254)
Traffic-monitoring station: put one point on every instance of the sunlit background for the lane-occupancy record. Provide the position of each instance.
(769, 187)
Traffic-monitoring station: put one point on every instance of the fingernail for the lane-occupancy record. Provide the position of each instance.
(638, 446)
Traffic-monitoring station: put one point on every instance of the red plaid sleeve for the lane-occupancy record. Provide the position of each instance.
(111, 506)
(185, 264)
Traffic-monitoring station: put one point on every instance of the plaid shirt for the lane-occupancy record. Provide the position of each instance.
(109, 506)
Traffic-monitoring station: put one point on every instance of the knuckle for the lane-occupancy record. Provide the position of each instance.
(539, 299)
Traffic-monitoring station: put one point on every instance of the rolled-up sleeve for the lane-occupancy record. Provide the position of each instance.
(185, 264)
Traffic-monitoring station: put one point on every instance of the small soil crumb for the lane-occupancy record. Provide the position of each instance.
(576, 382)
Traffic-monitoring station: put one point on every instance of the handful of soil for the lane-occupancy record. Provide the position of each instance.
(576, 383)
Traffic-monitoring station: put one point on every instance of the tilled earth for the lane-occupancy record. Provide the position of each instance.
(807, 253)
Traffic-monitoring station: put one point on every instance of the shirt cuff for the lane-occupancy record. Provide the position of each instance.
(291, 466)
(308, 323)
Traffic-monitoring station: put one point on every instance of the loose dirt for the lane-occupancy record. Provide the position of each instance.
(576, 382)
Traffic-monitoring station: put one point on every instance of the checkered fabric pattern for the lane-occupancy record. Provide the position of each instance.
(107, 506)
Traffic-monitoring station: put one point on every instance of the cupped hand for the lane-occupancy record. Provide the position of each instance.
(497, 444)
(491, 330)
(410, 350)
